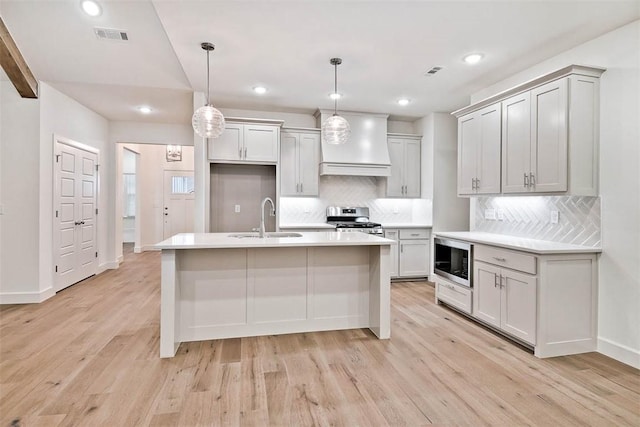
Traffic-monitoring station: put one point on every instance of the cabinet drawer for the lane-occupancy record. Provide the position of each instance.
(505, 258)
(414, 233)
(454, 295)
(391, 234)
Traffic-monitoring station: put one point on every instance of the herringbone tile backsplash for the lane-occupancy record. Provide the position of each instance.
(529, 216)
(353, 191)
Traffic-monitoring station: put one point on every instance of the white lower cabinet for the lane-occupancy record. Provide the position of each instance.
(506, 299)
(546, 301)
(453, 294)
(410, 257)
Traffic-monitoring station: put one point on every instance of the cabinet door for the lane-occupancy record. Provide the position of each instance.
(549, 137)
(308, 163)
(412, 168)
(468, 142)
(516, 143)
(486, 293)
(414, 258)
(260, 143)
(395, 182)
(518, 305)
(393, 234)
(488, 175)
(227, 146)
(289, 182)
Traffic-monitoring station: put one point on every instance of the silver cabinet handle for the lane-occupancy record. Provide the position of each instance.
(477, 183)
(301, 187)
(526, 180)
(473, 183)
(415, 234)
(532, 179)
(500, 259)
(297, 187)
(495, 280)
(245, 152)
(239, 152)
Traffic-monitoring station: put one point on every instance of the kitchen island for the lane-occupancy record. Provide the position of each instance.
(219, 285)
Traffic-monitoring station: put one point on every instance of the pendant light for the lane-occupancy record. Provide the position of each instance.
(207, 121)
(335, 130)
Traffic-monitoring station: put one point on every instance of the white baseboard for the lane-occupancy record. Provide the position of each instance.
(137, 249)
(146, 248)
(619, 352)
(120, 259)
(108, 266)
(26, 297)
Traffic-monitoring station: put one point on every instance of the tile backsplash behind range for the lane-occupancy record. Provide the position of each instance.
(353, 191)
(530, 216)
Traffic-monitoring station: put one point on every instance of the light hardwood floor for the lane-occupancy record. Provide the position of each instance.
(89, 356)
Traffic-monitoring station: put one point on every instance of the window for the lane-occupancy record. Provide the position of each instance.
(182, 184)
(129, 194)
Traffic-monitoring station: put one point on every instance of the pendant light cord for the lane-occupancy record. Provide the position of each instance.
(208, 91)
(335, 90)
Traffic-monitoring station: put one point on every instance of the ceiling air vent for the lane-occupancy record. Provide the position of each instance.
(111, 34)
(432, 71)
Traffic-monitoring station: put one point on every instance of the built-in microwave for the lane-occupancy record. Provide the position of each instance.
(452, 260)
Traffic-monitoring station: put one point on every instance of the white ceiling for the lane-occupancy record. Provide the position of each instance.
(386, 47)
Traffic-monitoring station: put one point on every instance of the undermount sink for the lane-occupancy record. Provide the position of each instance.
(267, 235)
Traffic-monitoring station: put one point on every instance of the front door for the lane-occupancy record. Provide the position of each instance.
(75, 200)
(179, 202)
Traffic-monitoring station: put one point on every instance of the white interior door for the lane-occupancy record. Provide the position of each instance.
(75, 201)
(179, 202)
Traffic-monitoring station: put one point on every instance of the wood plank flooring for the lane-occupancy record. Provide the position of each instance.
(89, 357)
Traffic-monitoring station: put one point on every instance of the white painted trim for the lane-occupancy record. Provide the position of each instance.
(619, 352)
(112, 265)
(120, 259)
(145, 248)
(26, 297)
(137, 250)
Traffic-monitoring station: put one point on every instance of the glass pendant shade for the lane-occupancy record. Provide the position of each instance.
(336, 130)
(208, 122)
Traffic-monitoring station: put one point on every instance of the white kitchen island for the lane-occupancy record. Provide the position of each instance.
(217, 286)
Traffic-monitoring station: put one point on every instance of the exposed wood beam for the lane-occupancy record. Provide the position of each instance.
(15, 66)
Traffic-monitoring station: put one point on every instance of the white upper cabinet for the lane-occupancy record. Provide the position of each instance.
(479, 151)
(547, 133)
(535, 140)
(299, 162)
(404, 153)
(246, 143)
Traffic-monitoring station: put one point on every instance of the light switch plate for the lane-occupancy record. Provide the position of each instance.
(490, 214)
(554, 217)
(237, 209)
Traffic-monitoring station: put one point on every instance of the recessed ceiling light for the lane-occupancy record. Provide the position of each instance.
(144, 109)
(91, 8)
(403, 101)
(473, 58)
(260, 90)
(335, 95)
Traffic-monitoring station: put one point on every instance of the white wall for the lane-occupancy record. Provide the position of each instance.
(450, 212)
(63, 116)
(150, 133)
(619, 266)
(19, 181)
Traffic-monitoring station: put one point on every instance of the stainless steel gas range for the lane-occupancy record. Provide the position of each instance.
(348, 219)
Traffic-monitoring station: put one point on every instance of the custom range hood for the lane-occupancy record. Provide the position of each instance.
(365, 154)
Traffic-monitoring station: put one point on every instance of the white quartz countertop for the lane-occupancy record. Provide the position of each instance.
(225, 240)
(519, 243)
